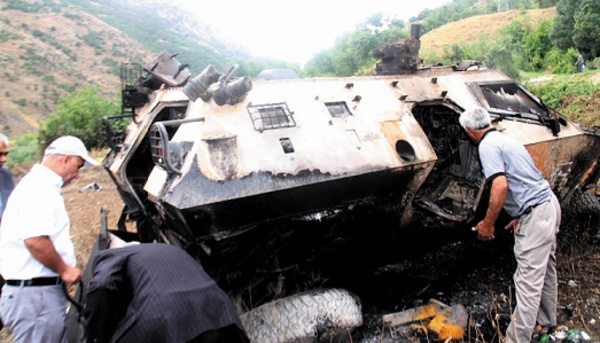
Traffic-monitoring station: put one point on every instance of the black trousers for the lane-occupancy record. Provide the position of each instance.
(228, 334)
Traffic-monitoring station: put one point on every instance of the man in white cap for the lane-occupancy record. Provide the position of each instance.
(37, 257)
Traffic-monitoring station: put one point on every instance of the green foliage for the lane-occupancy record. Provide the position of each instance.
(6, 36)
(48, 79)
(38, 34)
(23, 150)
(555, 93)
(460, 9)
(560, 62)
(586, 31)
(71, 16)
(21, 102)
(79, 114)
(546, 3)
(93, 39)
(594, 64)
(537, 44)
(145, 24)
(352, 53)
(23, 6)
(504, 61)
(484, 48)
(576, 26)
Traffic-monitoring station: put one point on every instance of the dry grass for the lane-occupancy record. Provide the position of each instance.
(48, 36)
(467, 30)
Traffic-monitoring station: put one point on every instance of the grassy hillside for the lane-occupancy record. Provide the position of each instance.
(577, 96)
(467, 30)
(47, 54)
(51, 48)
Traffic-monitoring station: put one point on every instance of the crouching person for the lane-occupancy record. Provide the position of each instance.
(157, 293)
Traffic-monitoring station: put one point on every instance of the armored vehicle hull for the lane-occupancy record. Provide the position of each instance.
(243, 174)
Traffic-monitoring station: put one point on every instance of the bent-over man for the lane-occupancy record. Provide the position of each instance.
(518, 187)
(157, 293)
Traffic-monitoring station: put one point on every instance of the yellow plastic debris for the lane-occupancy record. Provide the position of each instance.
(450, 323)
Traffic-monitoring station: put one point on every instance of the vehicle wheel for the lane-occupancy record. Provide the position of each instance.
(316, 316)
(581, 219)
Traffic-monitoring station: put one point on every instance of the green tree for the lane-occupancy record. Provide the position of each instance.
(537, 44)
(576, 26)
(320, 65)
(586, 29)
(79, 114)
(564, 22)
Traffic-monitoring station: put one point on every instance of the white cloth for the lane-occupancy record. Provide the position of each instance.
(35, 208)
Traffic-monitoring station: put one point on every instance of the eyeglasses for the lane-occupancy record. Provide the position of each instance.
(4, 153)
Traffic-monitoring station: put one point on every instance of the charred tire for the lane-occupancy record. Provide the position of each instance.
(316, 316)
(581, 219)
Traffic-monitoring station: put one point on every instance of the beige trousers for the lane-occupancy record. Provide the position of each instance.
(535, 279)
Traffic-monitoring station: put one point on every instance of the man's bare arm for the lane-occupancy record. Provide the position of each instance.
(42, 249)
(485, 228)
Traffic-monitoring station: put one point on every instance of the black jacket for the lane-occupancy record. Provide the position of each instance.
(6, 187)
(153, 293)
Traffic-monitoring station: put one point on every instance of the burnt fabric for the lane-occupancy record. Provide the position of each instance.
(154, 293)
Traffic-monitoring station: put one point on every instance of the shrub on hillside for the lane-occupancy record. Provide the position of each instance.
(593, 64)
(559, 62)
(554, 93)
(23, 150)
(79, 114)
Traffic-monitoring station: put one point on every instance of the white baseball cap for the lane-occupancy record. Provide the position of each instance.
(72, 146)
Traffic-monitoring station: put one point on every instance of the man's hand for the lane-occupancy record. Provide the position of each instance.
(512, 225)
(70, 276)
(485, 231)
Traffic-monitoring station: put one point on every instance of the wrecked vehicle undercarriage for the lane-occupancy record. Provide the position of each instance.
(264, 180)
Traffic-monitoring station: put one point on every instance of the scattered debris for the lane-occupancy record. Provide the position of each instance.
(414, 314)
(561, 334)
(92, 186)
(448, 323)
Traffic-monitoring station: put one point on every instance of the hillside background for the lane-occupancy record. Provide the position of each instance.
(52, 48)
(53, 51)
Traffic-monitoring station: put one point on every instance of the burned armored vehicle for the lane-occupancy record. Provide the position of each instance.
(268, 181)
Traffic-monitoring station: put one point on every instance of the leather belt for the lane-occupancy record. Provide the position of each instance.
(530, 208)
(38, 281)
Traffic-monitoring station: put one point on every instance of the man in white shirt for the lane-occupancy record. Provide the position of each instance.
(37, 257)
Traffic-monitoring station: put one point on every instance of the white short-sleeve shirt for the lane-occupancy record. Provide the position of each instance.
(35, 208)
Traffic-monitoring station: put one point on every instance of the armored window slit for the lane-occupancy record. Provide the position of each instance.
(271, 116)
(338, 109)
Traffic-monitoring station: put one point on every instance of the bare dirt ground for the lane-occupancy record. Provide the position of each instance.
(467, 272)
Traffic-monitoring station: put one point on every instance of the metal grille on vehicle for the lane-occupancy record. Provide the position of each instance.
(271, 116)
